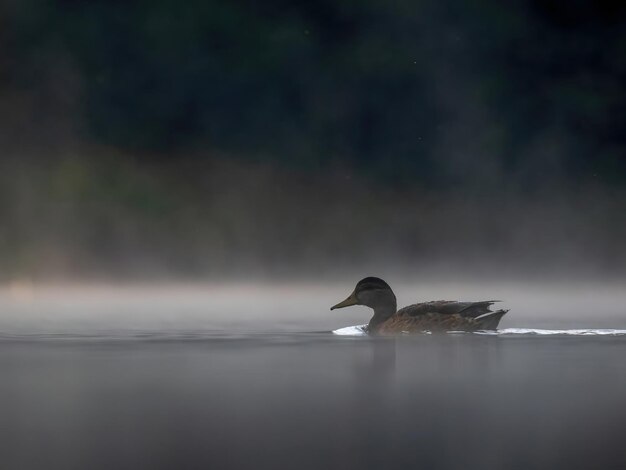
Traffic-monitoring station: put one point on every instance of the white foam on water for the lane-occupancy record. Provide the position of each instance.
(356, 330)
(359, 330)
(544, 332)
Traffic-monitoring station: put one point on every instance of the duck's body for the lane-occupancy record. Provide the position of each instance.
(441, 315)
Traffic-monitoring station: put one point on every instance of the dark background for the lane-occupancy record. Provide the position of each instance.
(230, 139)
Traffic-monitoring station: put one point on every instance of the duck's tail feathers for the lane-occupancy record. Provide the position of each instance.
(490, 321)
(475, 309)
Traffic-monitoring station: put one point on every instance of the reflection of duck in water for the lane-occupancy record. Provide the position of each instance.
(440, 315)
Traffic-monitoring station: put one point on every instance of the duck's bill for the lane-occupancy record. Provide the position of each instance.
(346, 303)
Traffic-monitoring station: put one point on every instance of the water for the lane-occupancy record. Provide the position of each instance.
(237, 395)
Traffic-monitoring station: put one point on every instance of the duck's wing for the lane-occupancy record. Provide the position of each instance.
(446, 315)
(449, 307)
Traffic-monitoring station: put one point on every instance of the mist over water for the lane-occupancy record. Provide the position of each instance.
(266, 307)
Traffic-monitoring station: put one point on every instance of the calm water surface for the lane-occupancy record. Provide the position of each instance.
(312, 400)
(308, 399)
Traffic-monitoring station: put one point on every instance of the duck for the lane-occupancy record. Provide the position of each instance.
(434, 316)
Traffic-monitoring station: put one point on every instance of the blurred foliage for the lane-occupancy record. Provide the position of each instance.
(214, 136)
(99, 215)
(433, 91)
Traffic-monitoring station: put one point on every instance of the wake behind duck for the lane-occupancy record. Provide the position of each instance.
(361, 330)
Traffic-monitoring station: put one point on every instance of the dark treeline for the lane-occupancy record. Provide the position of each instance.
(201, 137)
(438, 89)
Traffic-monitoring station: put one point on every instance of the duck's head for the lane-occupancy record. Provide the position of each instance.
(372, 292)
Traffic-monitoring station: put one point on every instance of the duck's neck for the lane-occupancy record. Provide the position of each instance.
(381, 314)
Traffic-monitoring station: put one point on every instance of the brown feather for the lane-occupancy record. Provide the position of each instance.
(440, 316)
